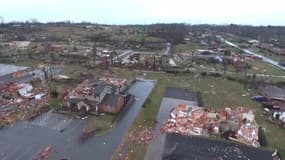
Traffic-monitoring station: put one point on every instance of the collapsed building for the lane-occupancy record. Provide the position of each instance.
(20, 101)
(103, 95)
(235, 124)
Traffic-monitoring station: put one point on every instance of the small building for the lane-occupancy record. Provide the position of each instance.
(254, 42)
(20, 44)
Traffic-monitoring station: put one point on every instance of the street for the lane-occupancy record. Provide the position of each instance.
(265, 59)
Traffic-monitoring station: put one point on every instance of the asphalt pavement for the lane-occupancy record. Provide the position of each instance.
(23, 140)
(172, 98)
(8, 68)
(265, 59)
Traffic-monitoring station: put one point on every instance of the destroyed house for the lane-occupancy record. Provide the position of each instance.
(94, 92)
(118, 85)
(101, 95)
(239, 122)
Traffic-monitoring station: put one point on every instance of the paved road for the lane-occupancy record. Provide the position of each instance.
(172, 98)
(8, 68)
(29, 75)
(265, 59)
(24, 140)
(123, 55)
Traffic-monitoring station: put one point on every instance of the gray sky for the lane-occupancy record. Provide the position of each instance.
(255, 12)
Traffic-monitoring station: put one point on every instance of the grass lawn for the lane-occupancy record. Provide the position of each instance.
(216, 93)
(27, 62)
(257, 67)
(265, 68)
(267, 54)
(99, 124)
(187, 47)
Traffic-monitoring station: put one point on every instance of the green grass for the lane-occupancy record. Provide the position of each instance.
(265, 68)
(54, 103)
(216, 93)
(187, 47)
(257, 67)
(99, 124)
(146, 117)
(267, 54)
(27, 62)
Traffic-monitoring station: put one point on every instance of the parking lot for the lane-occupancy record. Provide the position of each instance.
(23, 140)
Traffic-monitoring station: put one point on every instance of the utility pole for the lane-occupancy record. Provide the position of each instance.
(111, 58)
(94, 54)
(153, 66)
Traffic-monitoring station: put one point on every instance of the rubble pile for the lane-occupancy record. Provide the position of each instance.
(83, 88)
(19, 101)
(44, 154)
(248, 133)
(114, 81)
(237, 124)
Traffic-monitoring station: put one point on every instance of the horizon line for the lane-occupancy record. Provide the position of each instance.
(30, 21)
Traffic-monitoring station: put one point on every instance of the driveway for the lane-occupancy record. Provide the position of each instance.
(172, 98)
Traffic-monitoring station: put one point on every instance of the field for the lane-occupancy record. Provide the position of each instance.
(267, 54)
(188, 47)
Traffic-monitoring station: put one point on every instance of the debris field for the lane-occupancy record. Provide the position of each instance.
(236, 124)
(20, 101)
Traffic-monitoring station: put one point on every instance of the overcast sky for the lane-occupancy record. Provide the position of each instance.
(255, 12)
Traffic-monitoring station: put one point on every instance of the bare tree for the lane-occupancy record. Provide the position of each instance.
(94, 50)
(225, 67)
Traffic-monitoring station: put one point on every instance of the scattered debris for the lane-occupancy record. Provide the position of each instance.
(144, 137)
(279, 117)
(21, 101)
(44, 154)
(188, 120)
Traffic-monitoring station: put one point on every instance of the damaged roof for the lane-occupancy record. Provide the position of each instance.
(98, 89)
